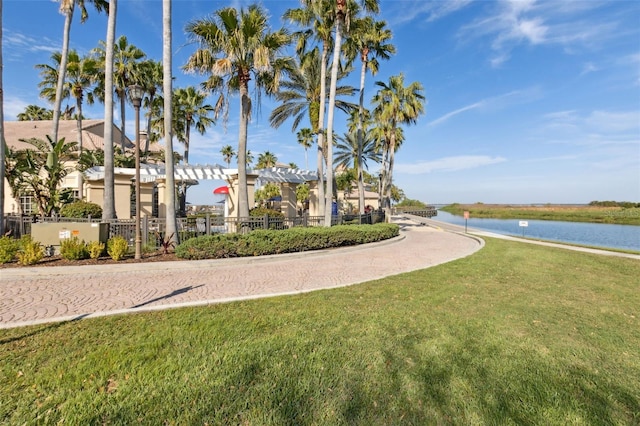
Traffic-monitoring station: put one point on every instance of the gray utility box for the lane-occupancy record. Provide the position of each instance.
(50, 234)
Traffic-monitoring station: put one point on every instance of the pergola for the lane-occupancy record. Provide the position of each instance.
(288, 178)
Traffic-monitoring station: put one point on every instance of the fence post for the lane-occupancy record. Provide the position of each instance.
(145, 230)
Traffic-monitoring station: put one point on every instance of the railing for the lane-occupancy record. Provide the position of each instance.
(430, 211)
(154, 229)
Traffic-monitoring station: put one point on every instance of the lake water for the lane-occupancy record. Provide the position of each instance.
(592, 234)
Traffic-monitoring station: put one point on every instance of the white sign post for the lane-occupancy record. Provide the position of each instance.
(523, 224)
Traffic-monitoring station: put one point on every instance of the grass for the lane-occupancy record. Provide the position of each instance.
(591, 214)
(514, 334)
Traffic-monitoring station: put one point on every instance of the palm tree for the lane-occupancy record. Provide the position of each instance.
(189, 107)
(349, 154)
(171, 234)
(150, 79)
(66, 8)
(300, 95)
(233, 45)
(305, 138)
(109, 200)
(35, 113)
(81, 75)
(395, 105)
(368, 37)
(227, 154)
(126, 72)
(343, 9)
(266, 160)
(319, 22)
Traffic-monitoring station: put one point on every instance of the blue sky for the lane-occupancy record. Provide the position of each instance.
(527, 101)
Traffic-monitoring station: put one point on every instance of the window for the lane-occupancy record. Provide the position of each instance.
(27, 205)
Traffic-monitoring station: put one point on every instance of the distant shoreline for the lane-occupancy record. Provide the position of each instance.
(560, 212)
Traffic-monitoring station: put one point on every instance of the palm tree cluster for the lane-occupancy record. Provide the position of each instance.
(238, 53)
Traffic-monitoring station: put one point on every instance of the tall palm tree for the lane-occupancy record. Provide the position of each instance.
(367, 37)
(233, 45)
(35, 113)
(395, 105)
(126, 72)
(318, 21)
(349, 154)
(81, 79)
(167, 82)
(227, 154)
(66, 8)
(266, 159)
(109, 199)
(343, 9)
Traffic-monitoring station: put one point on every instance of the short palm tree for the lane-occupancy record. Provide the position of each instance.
(395, 105)
(227, 154)
(266, 159)
(81, 79)
(35, 113)
(305, 138)
(191, 109)
(236, 47)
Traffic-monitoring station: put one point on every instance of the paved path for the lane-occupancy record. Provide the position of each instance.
(39, 295)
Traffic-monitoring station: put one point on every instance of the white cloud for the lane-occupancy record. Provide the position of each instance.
(514, 22)
(408, 11)
(495, 102)
(449, 164)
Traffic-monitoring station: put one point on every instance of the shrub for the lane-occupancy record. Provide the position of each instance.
(263, 211)
(81, 209)
(8, 249)
(96, 248)
(263, 242)
(30, 252)
(73, 249)
(117, 247)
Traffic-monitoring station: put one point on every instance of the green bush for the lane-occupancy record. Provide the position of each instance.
(117, 247)
(8, 249)
(73, 249)
(264, 242)
(96, 248)
(263, 211)
(30, 252)
(81, 209)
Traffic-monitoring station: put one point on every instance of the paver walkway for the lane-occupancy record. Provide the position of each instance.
(33, 295)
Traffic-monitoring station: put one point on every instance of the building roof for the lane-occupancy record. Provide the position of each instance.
(92, 133)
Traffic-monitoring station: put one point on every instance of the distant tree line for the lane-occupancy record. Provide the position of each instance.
(625, 204)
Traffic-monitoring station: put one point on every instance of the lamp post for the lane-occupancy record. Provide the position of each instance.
(136, 93)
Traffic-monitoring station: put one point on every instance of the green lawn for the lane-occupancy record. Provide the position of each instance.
(514, 334)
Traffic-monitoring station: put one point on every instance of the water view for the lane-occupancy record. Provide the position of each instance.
(592, 234)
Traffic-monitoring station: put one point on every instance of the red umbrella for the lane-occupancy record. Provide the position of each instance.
(221, 190)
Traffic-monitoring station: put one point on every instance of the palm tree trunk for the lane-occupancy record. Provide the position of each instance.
(360, 139)
(389, 179)
(170, 200)
(79, 127)
(63, 67)
(123, 99)
(320, 129)
(109, 200)
(243, 195)
(330, 112)
(2, 143)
